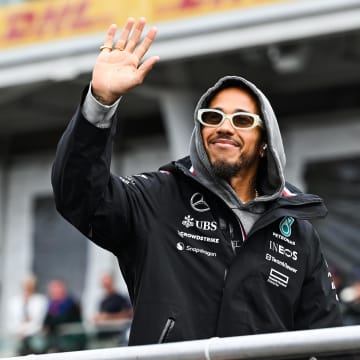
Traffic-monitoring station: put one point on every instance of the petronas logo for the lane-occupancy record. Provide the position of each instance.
(285, 225)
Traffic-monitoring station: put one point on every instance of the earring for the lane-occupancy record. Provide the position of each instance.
(262, 151)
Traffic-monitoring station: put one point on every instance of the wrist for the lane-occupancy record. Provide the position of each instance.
(103, 99)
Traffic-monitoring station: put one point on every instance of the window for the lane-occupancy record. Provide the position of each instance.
(59, 249)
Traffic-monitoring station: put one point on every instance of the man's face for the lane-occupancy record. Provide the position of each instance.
(107, 282)
(231, 150)
(57, 290)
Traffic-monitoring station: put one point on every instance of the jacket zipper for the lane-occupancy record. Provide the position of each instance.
(225, 277)
(166, 330)
(231, 232)
(232, 236)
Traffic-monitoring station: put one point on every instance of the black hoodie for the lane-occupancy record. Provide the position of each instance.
(172, 232)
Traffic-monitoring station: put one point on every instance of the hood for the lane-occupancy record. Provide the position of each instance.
(270, 181)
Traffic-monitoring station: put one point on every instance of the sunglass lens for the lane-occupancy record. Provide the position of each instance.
(211, 117)
(243, 121)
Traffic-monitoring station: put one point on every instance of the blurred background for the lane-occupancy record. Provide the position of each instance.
(304, 55)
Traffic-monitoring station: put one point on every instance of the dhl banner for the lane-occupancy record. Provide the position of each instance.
(41, 20)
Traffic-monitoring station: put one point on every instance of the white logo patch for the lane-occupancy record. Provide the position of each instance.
(142, 176)
(185, 235)
(279, 249)
(283, 238)
(277, 278)
(198, 203)
(284, 264)
(188, 221)
(180, 246)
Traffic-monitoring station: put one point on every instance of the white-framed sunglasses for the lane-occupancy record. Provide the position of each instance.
(239, 120)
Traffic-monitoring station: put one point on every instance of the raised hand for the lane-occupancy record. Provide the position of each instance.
(118, 69)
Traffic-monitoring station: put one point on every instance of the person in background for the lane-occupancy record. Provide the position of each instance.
(215, 244)
(26, 315)
(62, 326)
(115, 312)
(350, 298)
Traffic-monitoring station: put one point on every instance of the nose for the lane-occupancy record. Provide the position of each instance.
(225, 126)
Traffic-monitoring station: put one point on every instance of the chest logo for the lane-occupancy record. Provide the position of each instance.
(180, 246)
(277, 278)
(285, 225)
(198, 203)
(188, 221)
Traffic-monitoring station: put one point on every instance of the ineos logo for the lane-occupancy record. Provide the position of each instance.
(198, 203)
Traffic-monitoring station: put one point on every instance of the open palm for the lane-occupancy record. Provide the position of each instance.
(119, 69)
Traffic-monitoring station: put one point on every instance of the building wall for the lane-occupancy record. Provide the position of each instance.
(328, 136)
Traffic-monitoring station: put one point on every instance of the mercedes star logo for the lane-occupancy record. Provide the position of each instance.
(198, 203)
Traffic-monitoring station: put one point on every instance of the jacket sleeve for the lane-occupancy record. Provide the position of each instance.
(319, 305)
(84, 190)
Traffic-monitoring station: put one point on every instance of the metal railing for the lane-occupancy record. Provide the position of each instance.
(305, 343)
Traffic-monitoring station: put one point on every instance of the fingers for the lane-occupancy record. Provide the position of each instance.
(135, 36)
(147, 65)
(129, 41)
(146, 43)
(121, 43)
(109, 39)
(131, 44)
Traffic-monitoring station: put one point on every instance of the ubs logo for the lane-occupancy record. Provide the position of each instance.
(189, 222)
(198, 203)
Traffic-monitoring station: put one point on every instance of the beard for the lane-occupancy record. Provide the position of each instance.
(227, 170)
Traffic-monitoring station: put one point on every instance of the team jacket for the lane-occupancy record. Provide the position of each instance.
(174, 240)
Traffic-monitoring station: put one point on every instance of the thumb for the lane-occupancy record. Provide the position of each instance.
(147, 65)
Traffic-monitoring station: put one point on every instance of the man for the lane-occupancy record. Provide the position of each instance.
(215, 244)
(63, 312)
(26, 314)
(114, 309)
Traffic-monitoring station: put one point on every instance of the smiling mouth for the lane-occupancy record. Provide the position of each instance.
(224, 143)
